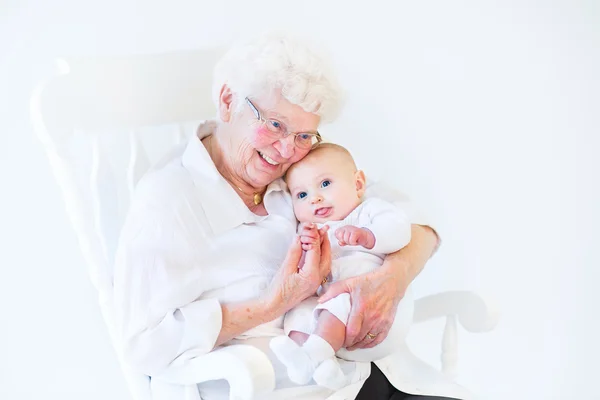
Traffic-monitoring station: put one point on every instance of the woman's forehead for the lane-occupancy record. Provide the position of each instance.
(278, 107)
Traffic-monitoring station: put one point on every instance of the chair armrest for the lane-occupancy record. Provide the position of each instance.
(474, 313)
(248, 371)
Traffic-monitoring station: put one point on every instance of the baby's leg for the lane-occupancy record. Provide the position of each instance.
(287, 348)
(333, 331)
(330, 328)
(298, 337)
(290, 352)
(313, 356)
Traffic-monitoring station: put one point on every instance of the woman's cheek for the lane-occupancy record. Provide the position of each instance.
(262, 137)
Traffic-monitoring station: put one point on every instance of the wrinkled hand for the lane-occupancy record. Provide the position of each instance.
(354, 236)
(375, 297)
(292, 284)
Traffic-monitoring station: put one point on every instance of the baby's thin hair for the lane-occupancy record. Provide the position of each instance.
(324, 146)
(321, 147)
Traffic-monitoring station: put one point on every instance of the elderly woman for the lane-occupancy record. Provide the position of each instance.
(209, 255)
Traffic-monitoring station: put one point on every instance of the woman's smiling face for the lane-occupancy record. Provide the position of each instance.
(250, 149)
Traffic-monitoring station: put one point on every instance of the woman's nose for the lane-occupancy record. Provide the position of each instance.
(286, 146)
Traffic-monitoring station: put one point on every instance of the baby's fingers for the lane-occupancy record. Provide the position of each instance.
(348, 236)
(339, 234)
(311, 232)
(309, 238)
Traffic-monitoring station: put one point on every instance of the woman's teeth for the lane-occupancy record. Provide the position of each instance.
(267, 159)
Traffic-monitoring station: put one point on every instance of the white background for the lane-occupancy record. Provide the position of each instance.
(487, 113)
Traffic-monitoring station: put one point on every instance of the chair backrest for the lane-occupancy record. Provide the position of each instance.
(103, 123)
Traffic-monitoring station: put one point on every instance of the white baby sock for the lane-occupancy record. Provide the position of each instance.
(329, 374)
(301, 361)
(299, 366)
(318, 349)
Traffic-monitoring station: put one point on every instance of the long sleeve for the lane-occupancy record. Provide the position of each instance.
(160, 317)
(416, 216)
(389, 224)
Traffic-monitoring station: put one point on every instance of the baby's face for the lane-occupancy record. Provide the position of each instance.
(324, 188)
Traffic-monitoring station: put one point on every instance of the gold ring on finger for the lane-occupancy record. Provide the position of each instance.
(324, 281)
(371, 335)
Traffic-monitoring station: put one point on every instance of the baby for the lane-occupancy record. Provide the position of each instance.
(327, 189)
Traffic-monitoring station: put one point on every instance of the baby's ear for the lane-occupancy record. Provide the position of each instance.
(361, 183)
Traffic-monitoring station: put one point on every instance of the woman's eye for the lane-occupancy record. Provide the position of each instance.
(302, 195)
(325, 183)
(275, 124)
(304, 136)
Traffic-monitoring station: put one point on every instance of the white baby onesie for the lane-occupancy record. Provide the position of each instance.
(391, 229)
(316, 358)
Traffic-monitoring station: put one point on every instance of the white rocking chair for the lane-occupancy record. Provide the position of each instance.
(98, 119)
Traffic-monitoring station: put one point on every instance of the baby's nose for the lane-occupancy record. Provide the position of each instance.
(316, 199)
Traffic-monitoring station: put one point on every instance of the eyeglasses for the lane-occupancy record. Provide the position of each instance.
(277, 130)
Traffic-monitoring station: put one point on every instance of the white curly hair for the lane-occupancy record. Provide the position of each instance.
(277, 61)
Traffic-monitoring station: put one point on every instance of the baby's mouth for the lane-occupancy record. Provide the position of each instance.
(323, 211)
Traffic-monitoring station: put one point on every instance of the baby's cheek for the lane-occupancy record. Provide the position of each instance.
(301, 213)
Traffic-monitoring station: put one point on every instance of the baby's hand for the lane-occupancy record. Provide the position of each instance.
(309, 236)
(354, 236)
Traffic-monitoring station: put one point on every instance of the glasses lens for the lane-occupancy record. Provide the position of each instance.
(306, 140)
(276, 127)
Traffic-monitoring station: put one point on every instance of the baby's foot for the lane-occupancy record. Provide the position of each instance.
(300, 367)
(329, 374)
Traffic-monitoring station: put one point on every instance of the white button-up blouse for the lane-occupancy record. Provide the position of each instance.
(189, 244)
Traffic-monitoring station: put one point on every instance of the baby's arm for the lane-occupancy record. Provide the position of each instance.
(389, 224)
(387, 232)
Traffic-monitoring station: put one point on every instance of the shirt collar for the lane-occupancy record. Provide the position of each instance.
(223, 207)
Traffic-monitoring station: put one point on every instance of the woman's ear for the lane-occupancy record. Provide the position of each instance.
(361, 183)
(225, 104)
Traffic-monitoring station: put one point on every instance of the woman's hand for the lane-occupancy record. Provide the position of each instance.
(375, 295)
(291, 285)
(288, 288)
(374, 298)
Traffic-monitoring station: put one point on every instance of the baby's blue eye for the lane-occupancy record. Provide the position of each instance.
(302, 195)
(325, 183)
